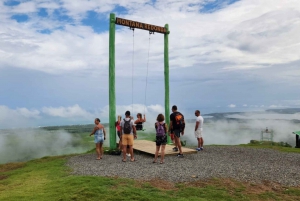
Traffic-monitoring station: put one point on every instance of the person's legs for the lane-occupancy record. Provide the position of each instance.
(124, 144)
(130, 143)
(179, 145)
(120, 144)
(177, 140)
(98, 150)
(156, 154)
(124, 152)
(201, 142)
(174, 142)
(101, 150)
(172, 138)
(162, 154)
(120, 141)
(131, 152)
(128, 150)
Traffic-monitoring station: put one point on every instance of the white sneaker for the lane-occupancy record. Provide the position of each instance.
(128, 155)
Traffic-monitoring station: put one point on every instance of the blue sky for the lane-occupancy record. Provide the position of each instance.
(225, 55)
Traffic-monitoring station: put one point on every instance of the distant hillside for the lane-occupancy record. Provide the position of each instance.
(224, 116)
(285, 111)
(73, 128)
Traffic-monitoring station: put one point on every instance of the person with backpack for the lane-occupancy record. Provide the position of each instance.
(177, 125)
(128, 132)
(161, 138)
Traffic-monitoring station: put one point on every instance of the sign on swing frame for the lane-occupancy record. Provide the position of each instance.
(141, 25)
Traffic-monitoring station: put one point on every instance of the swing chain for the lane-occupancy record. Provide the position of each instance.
(131, 28)
(150, 32)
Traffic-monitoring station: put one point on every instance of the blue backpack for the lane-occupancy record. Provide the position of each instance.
(160, 130)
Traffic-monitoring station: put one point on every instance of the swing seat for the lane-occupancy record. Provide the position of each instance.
(139, 127)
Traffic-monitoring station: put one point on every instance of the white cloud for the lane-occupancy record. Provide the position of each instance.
(25, 7)
(20, 117)
(245, 105)
(232, 106)
(247, 34)
(151, 111)
(23, 117)
(250, 35)
(68, 112)
(28, 113)
(6, 112)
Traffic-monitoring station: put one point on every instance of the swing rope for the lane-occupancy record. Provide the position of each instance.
(147, 73)
(132, 67)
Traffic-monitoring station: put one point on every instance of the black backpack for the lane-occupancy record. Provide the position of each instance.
(127, 127)
(179, 119)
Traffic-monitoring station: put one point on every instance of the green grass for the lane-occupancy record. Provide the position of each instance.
(49, 179)
(275, 147)
(146, 135)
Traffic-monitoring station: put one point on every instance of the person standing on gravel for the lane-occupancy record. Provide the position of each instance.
(128, 132)
(118, 128)
(177, 125)
(99, 133)
(198, 130)
(161, 138)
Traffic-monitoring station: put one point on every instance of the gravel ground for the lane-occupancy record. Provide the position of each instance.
(243, 164)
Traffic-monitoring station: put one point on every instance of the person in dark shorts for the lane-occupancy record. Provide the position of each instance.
(161, 137)
(139, 122)
(177, 125)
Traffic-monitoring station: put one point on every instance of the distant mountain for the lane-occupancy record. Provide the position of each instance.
(285, 110)
(226, 115)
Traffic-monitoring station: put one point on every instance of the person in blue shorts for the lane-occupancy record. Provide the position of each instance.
(100, 135)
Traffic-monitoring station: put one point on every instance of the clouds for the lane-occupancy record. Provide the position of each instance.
(221, 52)
(23, 117)
(19, 112)
(257, 37)
(67, 112)
(19, 117)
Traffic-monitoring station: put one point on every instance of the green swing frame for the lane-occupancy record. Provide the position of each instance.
(112, 93)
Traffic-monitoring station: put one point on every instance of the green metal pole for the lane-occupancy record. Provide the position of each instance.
(167, 94)
(112, 89)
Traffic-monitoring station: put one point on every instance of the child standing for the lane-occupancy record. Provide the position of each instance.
(161, 137)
